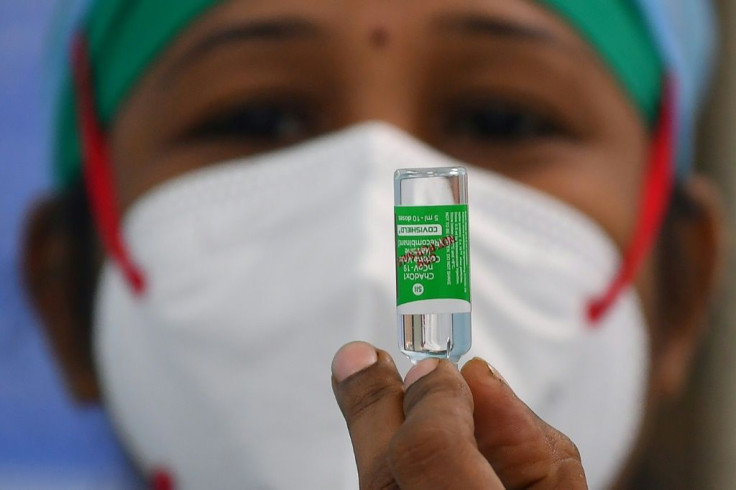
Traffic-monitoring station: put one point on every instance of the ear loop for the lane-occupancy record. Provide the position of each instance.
(656, 196)
(97, 172)
(161, 480)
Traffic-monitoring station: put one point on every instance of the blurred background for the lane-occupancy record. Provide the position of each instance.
(712, 401)
(46, 441)
(696, 439)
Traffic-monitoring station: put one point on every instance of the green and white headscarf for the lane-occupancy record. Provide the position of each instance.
(640, 41)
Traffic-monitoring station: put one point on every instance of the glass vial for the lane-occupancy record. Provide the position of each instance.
(432, 262)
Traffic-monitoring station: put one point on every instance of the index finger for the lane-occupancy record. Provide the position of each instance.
(435, 447)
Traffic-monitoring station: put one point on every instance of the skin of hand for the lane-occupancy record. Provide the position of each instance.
(444, 428)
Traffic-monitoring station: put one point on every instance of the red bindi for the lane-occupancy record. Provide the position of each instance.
(379, 38)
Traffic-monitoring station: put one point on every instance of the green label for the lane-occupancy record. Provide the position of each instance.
(432, 253)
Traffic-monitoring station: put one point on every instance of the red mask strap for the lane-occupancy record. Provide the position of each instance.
(655, 199)
(162, 480)
(96, 169)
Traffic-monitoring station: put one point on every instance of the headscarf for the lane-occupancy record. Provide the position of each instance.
(683, 35)
(639, 40)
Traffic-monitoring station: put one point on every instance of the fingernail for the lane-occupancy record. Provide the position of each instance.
(419, 371)
(353, 358)
(493, 370)
(496, 374)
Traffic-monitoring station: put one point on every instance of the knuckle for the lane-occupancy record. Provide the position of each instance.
(567, 469)
(382, 480)
(362, 400)
(565, 448)
(575, 452)
(437, 387)
(421, 448)
(568, 472)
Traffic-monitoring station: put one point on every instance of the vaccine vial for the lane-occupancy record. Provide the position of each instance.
(432, 262)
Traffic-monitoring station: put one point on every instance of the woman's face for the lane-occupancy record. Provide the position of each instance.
(504, 85)
(500, 84)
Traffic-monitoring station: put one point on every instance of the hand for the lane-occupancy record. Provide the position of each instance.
(442, 428)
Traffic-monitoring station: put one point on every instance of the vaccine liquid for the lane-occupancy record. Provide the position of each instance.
(432, 262)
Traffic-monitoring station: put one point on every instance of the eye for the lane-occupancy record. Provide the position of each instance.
(500, 122)
(267, 123)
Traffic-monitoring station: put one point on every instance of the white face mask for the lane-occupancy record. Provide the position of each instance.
(259, 270)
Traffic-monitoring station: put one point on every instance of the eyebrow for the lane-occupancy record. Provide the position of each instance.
(476, 24)
(273, 30)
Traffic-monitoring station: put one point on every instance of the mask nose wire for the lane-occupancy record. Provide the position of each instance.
(97, 173)
(656, 195)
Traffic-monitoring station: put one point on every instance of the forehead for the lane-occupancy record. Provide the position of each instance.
(399, 19)
(318, 56)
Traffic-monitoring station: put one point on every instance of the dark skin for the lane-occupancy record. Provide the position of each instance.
(443, 428)
(527, 98)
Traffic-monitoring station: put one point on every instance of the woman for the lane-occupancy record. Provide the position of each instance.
(236, 159)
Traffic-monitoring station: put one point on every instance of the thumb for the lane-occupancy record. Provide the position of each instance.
(524, 451)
